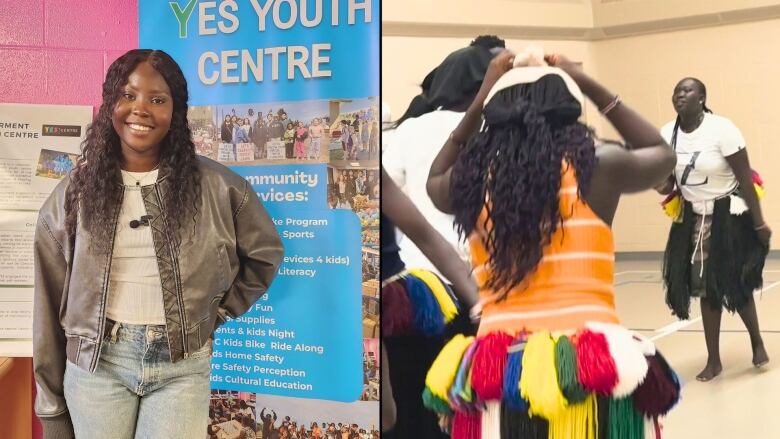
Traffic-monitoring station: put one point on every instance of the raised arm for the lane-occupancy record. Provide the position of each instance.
(400, 210)
(647, 161)
(439, 177)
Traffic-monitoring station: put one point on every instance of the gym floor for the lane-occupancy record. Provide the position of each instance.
(743, 400)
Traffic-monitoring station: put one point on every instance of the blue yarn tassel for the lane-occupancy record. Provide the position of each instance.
(428, 317)
(512, 372)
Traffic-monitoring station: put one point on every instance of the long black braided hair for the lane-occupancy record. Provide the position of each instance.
(94, 187)
(512, 168)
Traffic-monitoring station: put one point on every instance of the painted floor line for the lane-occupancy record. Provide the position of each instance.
(680, 324)
(659, 272)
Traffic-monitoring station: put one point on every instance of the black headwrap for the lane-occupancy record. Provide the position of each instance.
(548, 96)
(451, 83)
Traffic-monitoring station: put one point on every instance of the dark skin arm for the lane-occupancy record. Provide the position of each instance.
(667, 187)
(397, 206)
(643, 163)
(441, 169)
(648, 161)
(740, 164)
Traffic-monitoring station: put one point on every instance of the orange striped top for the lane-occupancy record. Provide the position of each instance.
(573, 282)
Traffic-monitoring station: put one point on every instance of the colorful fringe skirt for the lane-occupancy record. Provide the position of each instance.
(417, 302)
(419, 314)
(603, 381)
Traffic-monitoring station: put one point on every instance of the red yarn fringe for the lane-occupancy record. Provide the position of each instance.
(467, 425)
(487, 370)
(596, 368)
(397, 313)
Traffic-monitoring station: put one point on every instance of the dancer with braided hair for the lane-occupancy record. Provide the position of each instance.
(535, 193)
(719, 241)
(416, 306)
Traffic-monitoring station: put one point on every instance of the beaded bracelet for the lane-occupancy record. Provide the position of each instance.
(611, 105)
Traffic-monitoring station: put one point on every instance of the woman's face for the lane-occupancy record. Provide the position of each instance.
(246, 121)
(289, 126)
(227, 118)
(142, 114)
(687, 97)
(300, 124)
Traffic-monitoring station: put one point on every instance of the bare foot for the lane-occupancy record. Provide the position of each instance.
(760, 357)
(711, 370)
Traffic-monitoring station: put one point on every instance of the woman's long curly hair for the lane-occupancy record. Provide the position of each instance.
(512, 168)
(95, 187)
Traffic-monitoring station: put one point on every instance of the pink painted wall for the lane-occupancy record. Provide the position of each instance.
(57, 52)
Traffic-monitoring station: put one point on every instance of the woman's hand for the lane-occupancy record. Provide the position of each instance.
(499, 65)
(560, 61)
(764, 234)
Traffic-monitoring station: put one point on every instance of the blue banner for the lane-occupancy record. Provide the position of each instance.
(285, 93)
(268, 50)
(278, 347)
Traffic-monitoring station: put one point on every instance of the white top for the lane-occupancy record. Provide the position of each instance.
(135, 291)
(702, 172)
(407, 158)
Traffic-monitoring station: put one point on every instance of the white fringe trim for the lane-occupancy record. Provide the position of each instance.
(738, 205)
(628, 354)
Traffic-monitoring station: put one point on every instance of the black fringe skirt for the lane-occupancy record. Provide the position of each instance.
(733, 267)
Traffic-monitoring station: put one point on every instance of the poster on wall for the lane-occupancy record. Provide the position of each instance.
(285, 93)
(38, 147)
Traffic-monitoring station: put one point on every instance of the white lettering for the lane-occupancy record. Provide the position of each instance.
(229, 16)
(226, 66)
(311, 22)
(293, 61)
(208, 80)
(274, 52)
(248, 62)
(262, 12)
(317, 60)
(293, 14)
(354, 6)
(204, 18)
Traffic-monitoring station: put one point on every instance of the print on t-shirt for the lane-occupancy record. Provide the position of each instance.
(702, 172)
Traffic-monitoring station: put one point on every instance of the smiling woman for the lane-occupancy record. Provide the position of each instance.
(126, 301)
(142, 117)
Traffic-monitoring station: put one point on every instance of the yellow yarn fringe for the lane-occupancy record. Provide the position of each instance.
(539, 380)
(448, 307)
(673, 208)
(759, 191)
(577, 421)
(442, 373)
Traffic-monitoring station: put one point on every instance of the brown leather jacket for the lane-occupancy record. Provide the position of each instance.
(219, 274)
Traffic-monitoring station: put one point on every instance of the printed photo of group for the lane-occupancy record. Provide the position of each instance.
(355, 138)
(285, 132)
(55, 164)
(370, 370)
(293, 418)
(370, 288)
(232, 415)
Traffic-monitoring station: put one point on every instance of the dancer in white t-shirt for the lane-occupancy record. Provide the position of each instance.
(717, 250)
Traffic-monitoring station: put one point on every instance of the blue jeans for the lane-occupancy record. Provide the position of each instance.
(136, 392)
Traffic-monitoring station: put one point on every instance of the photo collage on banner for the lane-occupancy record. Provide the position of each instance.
(285, 93)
